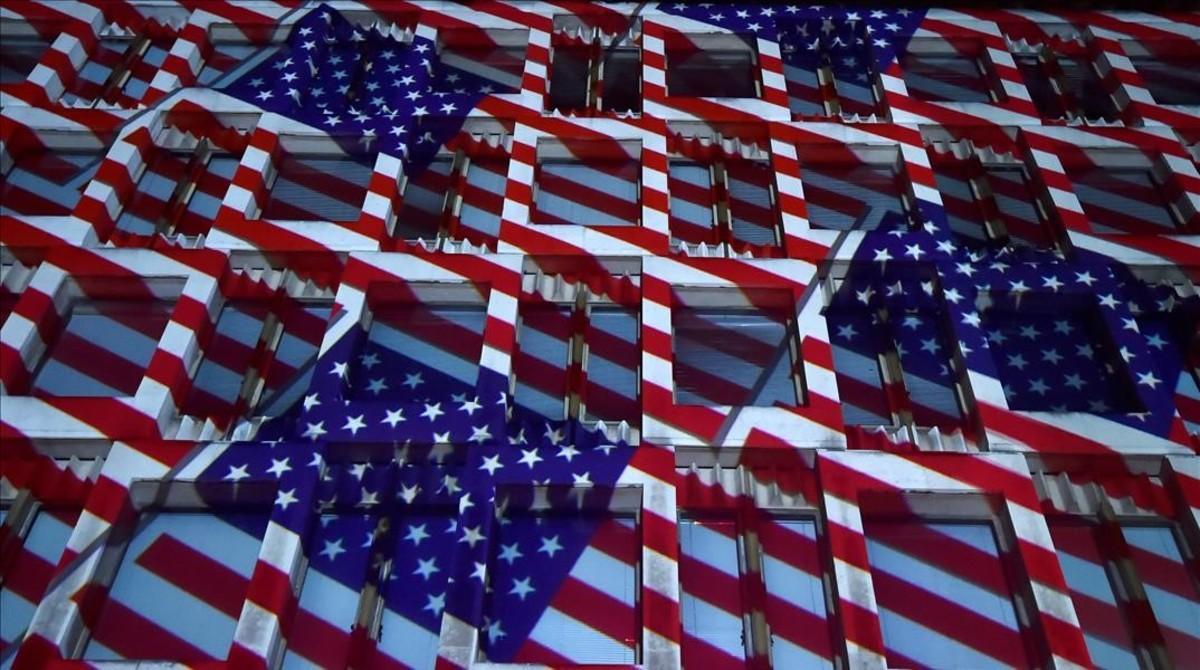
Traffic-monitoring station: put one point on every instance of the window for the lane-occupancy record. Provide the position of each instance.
(207, 190)
(481, 202)
(1056, 355)
(1125, 198)
(1066, 85)
(1172, 332)
(258, 351)
(592, 603)
(943, 593)
(828, 73)
(432, 339)
(164, 587)
(29, 553)
(318, 187)
(1109, 567)
(426, 193)
(491, 60)
(711, 604)
(730, 201)
(713, 66)
(578, 359)
(119, 71)
(47, 183)
(156, 192)
(587, 184)
(959, 73)
(18, 56)
(592, 70)
(866, 190)
(107, 342)
(1173, 78)
(991, 202)
(734, 355)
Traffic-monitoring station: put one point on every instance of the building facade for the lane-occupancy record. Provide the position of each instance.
(416, 334)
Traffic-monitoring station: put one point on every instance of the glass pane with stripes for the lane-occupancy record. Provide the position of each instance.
(47, 183)
(945, 78)
(1172, 80)
(588, 192)
(944, 598)
(852, 197)
(711, 594)
(732, 357)
(318, 188)
(423, 210)
(29, 569)
(1123, 200)
(613, 357)
(795, 591)
(541, 365)
(751, 207)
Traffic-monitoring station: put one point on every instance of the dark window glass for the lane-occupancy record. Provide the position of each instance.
(853, 197)
(946, 78)
(1172, 80)
(318, 188)
(622, 80)
(732, 357)
(18, 56)
(712, 73)
(1123, 200)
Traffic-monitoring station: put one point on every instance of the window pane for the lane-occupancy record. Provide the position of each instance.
(622, 80)
(415, 593)
(795, 607)
(153, 192)
(18, 56)
(416, 352)
(732, 357)
(1101, 616)
(853, 197)
(1041, 90)
(228, 358)
(854, 78)
(1170, 587)
(711, 73)
(180, 585)
(225, 57)
(494, 65)
(338, 565)
(857, 345)
(569, 73)
(711, 596)
(945, 78)
(104, 348)
(423, 210)
(751, 210)
(312, 188)
(590, 192)
(483, 196)
(583, 567)
(800, 71)
(1058, 361)
(1172, 80)
(613, 357)
(210, 187)
(692, 201)
(1013, 196)
(142, 71)
(1091, 99)
(544, 344)
(925, 366)
(47, 183)
(29, 572)
(943, 597)
(1123, 200)
(291, 368)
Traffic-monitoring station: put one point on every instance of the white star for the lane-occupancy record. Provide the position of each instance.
(930, 345)
(1149, 379)
(1129, 324)
(412, 381)
(952, 295)
(369, 499)
(1085, 278)
(315, 430)
(465, 503)
(521, 588)
(1030, 332)
(1051, 356)
(426, 568)
(310, 401)
(409, 493)
(1018, 361)
(416, 534)
(332, 549)
(339, 369)
(436, 603)
(480, 434)
(237, 473)
(581, 480)
(469, 406)
(971, 319)
(1074, 381)
(471, 536)
(265, 95)
(510, 552)
(432, 412)
(1063, 327)
(1039, 387)
(491, 464)
(286, 498)
(530, 457)
(393, 417)
(882, 255)
(377, 386)
(279, 467)
(1108, 301)
(1084, 350)
(1051, 282)
(567, 451)
(550, 546)
(1156, 341)
(914, 250)
(354, 424)
(480, 571)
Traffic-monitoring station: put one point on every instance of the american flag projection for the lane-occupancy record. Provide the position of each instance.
(415, 335)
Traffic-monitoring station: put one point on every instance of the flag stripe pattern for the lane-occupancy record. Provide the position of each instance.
(421, 335)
